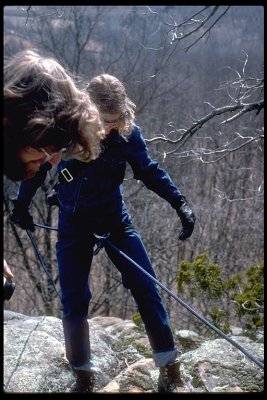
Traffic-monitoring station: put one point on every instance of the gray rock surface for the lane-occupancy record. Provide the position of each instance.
(34, 359)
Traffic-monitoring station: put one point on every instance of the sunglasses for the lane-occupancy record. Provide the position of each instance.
(51, 155)
(115, 121)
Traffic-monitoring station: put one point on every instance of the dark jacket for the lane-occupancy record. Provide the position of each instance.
(97, 185)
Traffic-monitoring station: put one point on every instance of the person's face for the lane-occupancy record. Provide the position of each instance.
(32, 158)
(112, 121)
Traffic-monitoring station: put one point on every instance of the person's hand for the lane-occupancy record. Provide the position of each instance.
(7, 271)
(188, 221)
(21, 216)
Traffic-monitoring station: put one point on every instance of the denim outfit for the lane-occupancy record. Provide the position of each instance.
(92, 203)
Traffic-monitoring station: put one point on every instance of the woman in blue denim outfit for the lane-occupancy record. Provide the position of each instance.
(90, 202)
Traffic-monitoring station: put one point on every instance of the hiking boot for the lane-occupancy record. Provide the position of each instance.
(84, 382)
(169, 378)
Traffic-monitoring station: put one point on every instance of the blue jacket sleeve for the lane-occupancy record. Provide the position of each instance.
(28, 188)
(149, 171)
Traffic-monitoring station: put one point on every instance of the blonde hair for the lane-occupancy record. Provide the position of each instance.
(44, 107)
(109, 94)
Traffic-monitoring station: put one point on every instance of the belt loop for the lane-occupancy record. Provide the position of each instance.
(66, 174)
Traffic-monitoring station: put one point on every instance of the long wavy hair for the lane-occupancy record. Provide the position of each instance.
(43, 106)
(109, 94)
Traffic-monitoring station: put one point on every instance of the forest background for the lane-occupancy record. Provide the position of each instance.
(196, 76)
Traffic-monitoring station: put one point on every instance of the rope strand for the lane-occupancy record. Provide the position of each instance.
(102, 239)
(39, 257)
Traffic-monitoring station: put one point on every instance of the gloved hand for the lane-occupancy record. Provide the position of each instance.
(21, 216)
(188, 221)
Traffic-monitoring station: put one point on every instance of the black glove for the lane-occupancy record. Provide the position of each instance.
(21, 216)
(188, 221)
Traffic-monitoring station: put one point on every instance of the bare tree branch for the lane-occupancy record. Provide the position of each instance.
(188, 133)
(198, 24)
(58, 12)
(239, 91)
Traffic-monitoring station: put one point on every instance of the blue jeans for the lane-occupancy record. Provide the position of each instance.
(75, 252)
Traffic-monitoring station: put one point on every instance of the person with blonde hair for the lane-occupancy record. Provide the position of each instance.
(46, 116)
(90, 199)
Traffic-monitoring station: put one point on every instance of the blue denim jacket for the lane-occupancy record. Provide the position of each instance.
(98, 184)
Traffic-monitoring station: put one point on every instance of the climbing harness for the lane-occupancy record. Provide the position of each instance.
(103, 240)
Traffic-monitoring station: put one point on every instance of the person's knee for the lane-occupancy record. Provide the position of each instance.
(74, 304)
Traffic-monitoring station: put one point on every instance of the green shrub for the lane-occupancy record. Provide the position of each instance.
(138, 320)
(205, 282)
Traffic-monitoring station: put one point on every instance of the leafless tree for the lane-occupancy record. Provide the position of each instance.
(197, 26)
(201, 115)
(245, 95)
